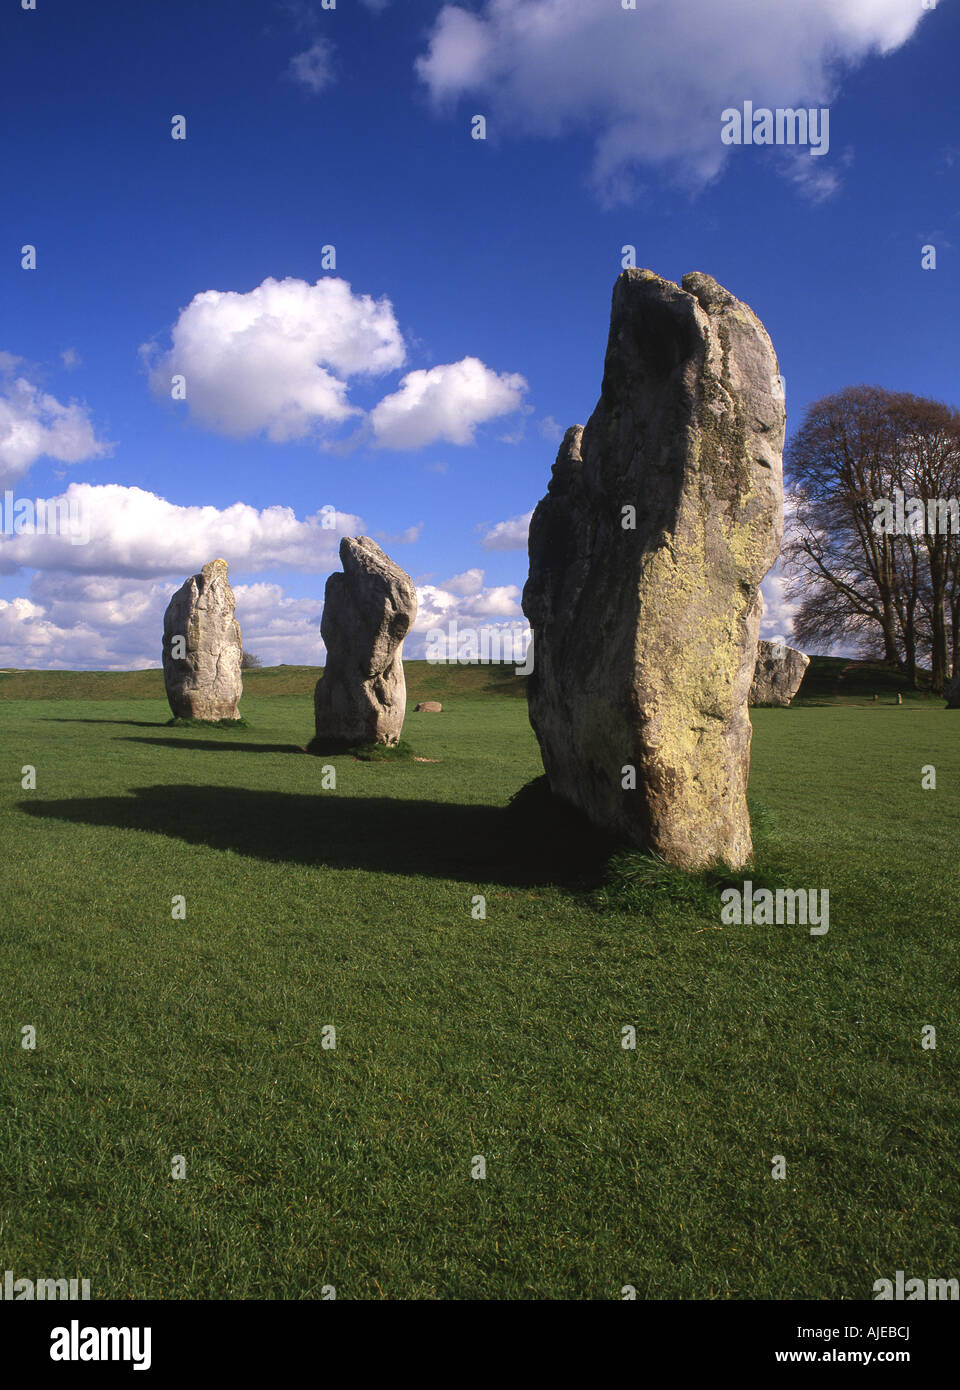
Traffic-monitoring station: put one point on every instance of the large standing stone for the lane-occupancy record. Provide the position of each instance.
(778, 673)
(367, 612)
(646, 557)
(202, 648)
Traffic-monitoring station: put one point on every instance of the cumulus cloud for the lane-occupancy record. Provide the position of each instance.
(466, 584)
(508, 535)
(778, 610)
(277, 628)
(650, 83)
(28, 638)
(81, 621)
(84, 621)
(408, 537)
(313, 68)
(34, 424)
(276, 359)
(464, 609)
(138, 534)
(447, 403)
(77, 621)
(469, 603)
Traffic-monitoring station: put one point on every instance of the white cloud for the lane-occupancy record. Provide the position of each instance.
(778, 610)
(550, 429)
(651, 83)
(508, 535)
(138, 534)
(279, 629)
(71, 359)
(466, 584)
(469, 603)
(27, 639)
(83, 621)
(313, 68)
(93, 620)
(809, 176)
(465, 601)
(34, 424)
(447, 403)
(408, 537)
(275, 360)
(463, 609)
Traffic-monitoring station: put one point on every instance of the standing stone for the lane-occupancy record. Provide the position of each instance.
(953, 693)
(202, 648)
(367, 612)
(778, 673)
(646, 556)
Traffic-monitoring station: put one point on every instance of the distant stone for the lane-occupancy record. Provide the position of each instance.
(428, 707)
(202, 647)
(646, 556)
(778, 673)
(953, 694)
(367, 612)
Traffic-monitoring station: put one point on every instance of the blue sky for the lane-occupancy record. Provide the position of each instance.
(487, 264)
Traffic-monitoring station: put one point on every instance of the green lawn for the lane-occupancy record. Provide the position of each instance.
(306, 907)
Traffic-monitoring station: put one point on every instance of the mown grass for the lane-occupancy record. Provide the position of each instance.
(457, 1037)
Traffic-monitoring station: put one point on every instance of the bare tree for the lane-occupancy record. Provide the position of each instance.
(860, 574)
(928, 469)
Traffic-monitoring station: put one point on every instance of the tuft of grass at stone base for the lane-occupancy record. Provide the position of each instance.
(362, 752)
(179, 722)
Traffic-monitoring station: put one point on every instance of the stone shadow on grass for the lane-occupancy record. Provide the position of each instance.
(215, 743)
(128, 723)
(533, 840)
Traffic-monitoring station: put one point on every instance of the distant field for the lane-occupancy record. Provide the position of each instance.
(457, 1037)
(425, 681)
(829, 680)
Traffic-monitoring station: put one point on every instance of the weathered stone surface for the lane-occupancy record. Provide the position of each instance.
(202, 672)
(428, 707)
(778, 673)
(646, 638)
(367, 612)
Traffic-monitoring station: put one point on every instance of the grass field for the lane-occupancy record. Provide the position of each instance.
(309, 906)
